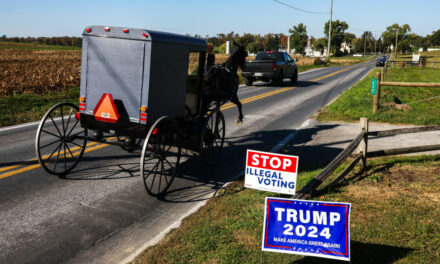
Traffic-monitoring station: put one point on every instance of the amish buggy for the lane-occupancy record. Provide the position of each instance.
(141, 86)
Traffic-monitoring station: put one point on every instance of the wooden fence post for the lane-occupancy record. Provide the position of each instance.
(377, 95)
(363, 145)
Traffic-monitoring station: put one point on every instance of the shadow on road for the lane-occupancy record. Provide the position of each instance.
(197, 181)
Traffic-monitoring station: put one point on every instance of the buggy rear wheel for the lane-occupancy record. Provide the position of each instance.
(61, 138)
(212, 137)
(160, 156)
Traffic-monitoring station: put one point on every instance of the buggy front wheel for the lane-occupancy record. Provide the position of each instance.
(60, 142)
(160, 156)
(212, 137)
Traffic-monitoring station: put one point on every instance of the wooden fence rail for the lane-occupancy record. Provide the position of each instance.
(380, 82)
(306, 191)
(409, 84)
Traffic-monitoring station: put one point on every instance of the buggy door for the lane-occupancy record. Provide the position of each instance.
(116, 66)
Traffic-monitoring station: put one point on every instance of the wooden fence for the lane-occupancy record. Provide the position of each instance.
(380, 82)
(359, 146)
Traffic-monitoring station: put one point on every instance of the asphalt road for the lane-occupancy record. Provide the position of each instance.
(101, 213)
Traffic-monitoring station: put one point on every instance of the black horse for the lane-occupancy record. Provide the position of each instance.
(220, 82)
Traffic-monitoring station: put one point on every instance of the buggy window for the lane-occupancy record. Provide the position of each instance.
(193, 63)
(192, 82)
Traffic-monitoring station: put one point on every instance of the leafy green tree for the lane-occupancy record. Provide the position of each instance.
(272, 41)
(349, 37)
(298, 38)
(246, 39)
(338, 34)
(389, 36)
(435, 38)
(320, 44)
(255, 47)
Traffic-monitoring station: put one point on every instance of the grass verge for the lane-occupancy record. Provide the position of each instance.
(358, 102)
(394, 219)
(17, 109)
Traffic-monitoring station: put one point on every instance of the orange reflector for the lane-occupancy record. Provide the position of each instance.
(143, 109)
(155, 131)
(106, 110)
(82, 99)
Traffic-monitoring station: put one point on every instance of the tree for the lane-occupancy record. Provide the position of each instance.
(435, 38)
(338, 34)
(246, 39)
(298, 38)
(255, 47)
(272, 41)
(389, 36)
(349, 37)
(320, 44)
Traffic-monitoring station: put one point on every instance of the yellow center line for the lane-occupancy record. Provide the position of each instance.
(35, 159)
(254, 98)
(223, 107)
(31, 167)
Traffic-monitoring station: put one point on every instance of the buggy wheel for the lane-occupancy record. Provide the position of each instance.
(212, 137)
(160, 156)
(60, 142)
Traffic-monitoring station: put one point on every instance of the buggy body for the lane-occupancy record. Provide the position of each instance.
(143, 72)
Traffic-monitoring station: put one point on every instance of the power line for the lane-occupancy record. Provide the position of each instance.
(302, 10)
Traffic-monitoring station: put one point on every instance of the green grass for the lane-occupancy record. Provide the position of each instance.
(357, 101)
(19, 109)
(394, 209)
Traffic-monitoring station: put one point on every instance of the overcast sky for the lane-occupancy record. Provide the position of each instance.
(60, 18)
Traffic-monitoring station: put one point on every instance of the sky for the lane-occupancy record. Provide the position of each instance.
(49, 18)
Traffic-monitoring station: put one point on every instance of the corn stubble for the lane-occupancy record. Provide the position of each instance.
(38, 71)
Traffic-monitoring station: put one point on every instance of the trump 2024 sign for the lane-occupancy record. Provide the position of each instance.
(271, 172)
(312, 228)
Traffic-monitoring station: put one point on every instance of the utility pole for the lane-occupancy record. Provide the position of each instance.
(330, 30)
(395, 49)
(375, 41)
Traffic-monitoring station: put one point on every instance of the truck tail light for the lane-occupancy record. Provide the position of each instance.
(274, 67)
(125, 30)
(145, 35)
(88, 30)
(107, 29)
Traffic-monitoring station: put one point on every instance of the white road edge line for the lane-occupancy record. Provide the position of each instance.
(25, 125)
(178, 222)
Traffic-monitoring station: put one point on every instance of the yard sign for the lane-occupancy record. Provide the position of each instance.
(373, 86)
(271, 172)
(312, 228)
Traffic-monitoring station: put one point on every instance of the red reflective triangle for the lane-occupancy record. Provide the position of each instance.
(106, 110)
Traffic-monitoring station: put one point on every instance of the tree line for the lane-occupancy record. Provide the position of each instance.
(366, 42)
(61, 41)
(407, 41)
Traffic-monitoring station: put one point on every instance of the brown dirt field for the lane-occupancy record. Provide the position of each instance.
(38, 71)
(41, 71)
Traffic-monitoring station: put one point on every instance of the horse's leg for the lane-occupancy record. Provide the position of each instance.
(237, 102)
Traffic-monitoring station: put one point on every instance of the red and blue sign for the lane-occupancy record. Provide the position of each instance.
(312, 228)
(271, 172)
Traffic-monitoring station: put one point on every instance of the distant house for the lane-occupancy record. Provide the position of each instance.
(346, 48)
(311, 52)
